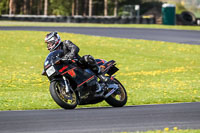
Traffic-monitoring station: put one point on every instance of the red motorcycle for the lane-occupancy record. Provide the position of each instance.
(71, 85)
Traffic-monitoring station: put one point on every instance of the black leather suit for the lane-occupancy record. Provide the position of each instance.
(71, 52)
(70, 49)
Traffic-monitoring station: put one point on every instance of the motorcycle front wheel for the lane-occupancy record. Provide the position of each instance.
(118, 98)
(63, 99)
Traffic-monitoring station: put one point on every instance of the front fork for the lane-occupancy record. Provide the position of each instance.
(66, 85)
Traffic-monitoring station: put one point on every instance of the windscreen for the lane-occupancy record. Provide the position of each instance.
(52, 56)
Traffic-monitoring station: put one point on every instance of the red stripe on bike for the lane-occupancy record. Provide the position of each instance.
(100, 61)
(62, 69)
(68, 71)
(85, 81)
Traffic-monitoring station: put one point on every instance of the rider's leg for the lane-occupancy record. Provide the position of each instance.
(92, 64)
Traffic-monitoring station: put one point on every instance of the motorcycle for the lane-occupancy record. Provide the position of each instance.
(72, 85)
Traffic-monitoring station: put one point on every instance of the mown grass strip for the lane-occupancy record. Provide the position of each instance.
(59, 24)
(166, 130)
(153, 72)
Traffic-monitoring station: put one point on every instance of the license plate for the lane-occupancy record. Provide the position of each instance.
(50, 71)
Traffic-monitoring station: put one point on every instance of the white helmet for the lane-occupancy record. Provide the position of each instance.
(53, 41)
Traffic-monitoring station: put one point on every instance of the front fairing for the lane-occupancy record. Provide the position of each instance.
(52, 57)
(49, 65)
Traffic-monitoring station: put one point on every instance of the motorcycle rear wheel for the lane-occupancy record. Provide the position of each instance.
(59, 95)
(118, 99)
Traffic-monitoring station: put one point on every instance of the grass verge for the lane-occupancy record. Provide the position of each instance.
(152, 72)
(58, 24)
(166, 130)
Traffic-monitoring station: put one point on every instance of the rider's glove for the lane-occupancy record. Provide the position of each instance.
(66, 58)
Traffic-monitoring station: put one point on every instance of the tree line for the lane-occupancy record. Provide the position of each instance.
(66, 7)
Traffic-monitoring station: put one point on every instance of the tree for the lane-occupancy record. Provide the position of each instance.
(77, 7)
(12, 7)
(85, 7)
(61, 7)
(90, 8)
(105, 7)
(25, 7)
(39, 6)
(45, 7)
(73, 6)
(4, 7)
(66, 7)
(115, 7)
(31, 5)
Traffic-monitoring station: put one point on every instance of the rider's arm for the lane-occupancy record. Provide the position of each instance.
(70, 49)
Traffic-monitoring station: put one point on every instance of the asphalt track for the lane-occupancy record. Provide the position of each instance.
(98, 120)
(178, 36)
(102, 120)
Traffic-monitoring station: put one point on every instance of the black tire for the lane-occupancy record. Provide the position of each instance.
(113, 99)
(188, 18)
(59, 96)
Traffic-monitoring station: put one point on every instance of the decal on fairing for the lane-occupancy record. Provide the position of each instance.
(72, 73)
(62, 69)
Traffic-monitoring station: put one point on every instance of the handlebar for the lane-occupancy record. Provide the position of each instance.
(64, 59)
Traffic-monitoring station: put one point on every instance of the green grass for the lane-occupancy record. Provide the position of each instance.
(155, 26)
(166, 130)
(153, 72)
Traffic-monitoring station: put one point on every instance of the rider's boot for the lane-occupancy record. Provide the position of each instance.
(100, 75)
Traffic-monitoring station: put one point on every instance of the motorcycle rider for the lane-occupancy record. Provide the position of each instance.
(71, 50)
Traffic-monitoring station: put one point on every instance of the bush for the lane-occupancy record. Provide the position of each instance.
(180, 8)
